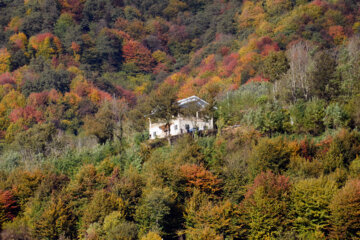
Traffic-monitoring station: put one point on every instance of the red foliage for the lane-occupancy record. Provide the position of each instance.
(38, 99)
(135, 52)
(7, 78)
(319, 3)
(8, 205)
(199, 177)
(273, 185)
(28, 113)
(208, 64)
(161, 67)
(65, 60)
(229, 63)
(263, 41)
(127, 94)
(307, 149)
(104, 95)
(42, 36)
(266, 45)
(324, 145)
(224, 51)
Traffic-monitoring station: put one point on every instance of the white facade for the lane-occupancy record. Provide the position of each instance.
(182, 124)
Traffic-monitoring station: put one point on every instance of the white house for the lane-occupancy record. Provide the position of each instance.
(184, 123)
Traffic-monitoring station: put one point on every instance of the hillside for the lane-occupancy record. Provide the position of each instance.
(78, 77)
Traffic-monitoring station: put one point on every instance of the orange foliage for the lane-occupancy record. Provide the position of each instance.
(229, 63)
(273, 185)
(134, 52)
(337, 33)
(28, 114)
(8, 206)
(208, 64)
(199, 177)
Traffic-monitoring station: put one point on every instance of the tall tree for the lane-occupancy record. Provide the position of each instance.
(164, 105)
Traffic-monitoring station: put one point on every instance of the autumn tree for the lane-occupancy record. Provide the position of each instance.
(345, 211)
(136, 53)
(56, 220)
(267, 206)
(8, 207)
(205, 219)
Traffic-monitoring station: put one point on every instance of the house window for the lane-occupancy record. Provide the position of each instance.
(176, 127)
(154, 134)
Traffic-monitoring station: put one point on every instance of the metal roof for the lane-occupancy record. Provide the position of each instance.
(193, 99)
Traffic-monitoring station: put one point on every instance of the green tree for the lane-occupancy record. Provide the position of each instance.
(275, 65)
(164, 105)
(107, 122)
(323, 82)
(310, 205)
(154, 209)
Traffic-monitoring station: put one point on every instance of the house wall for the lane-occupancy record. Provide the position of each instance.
(178, 126)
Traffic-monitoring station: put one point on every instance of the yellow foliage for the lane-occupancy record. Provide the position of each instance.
(12, 100)
(356, 27)
(45, 44)
(252, 14)
(79, 80)
(294, 18)
(14, 24)
(151, 236)
(139, 90)
(4, 60)
(276, 7)
(75, 70)
(264, 28)
(19, 39)
(159, 56)
(251, 46)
